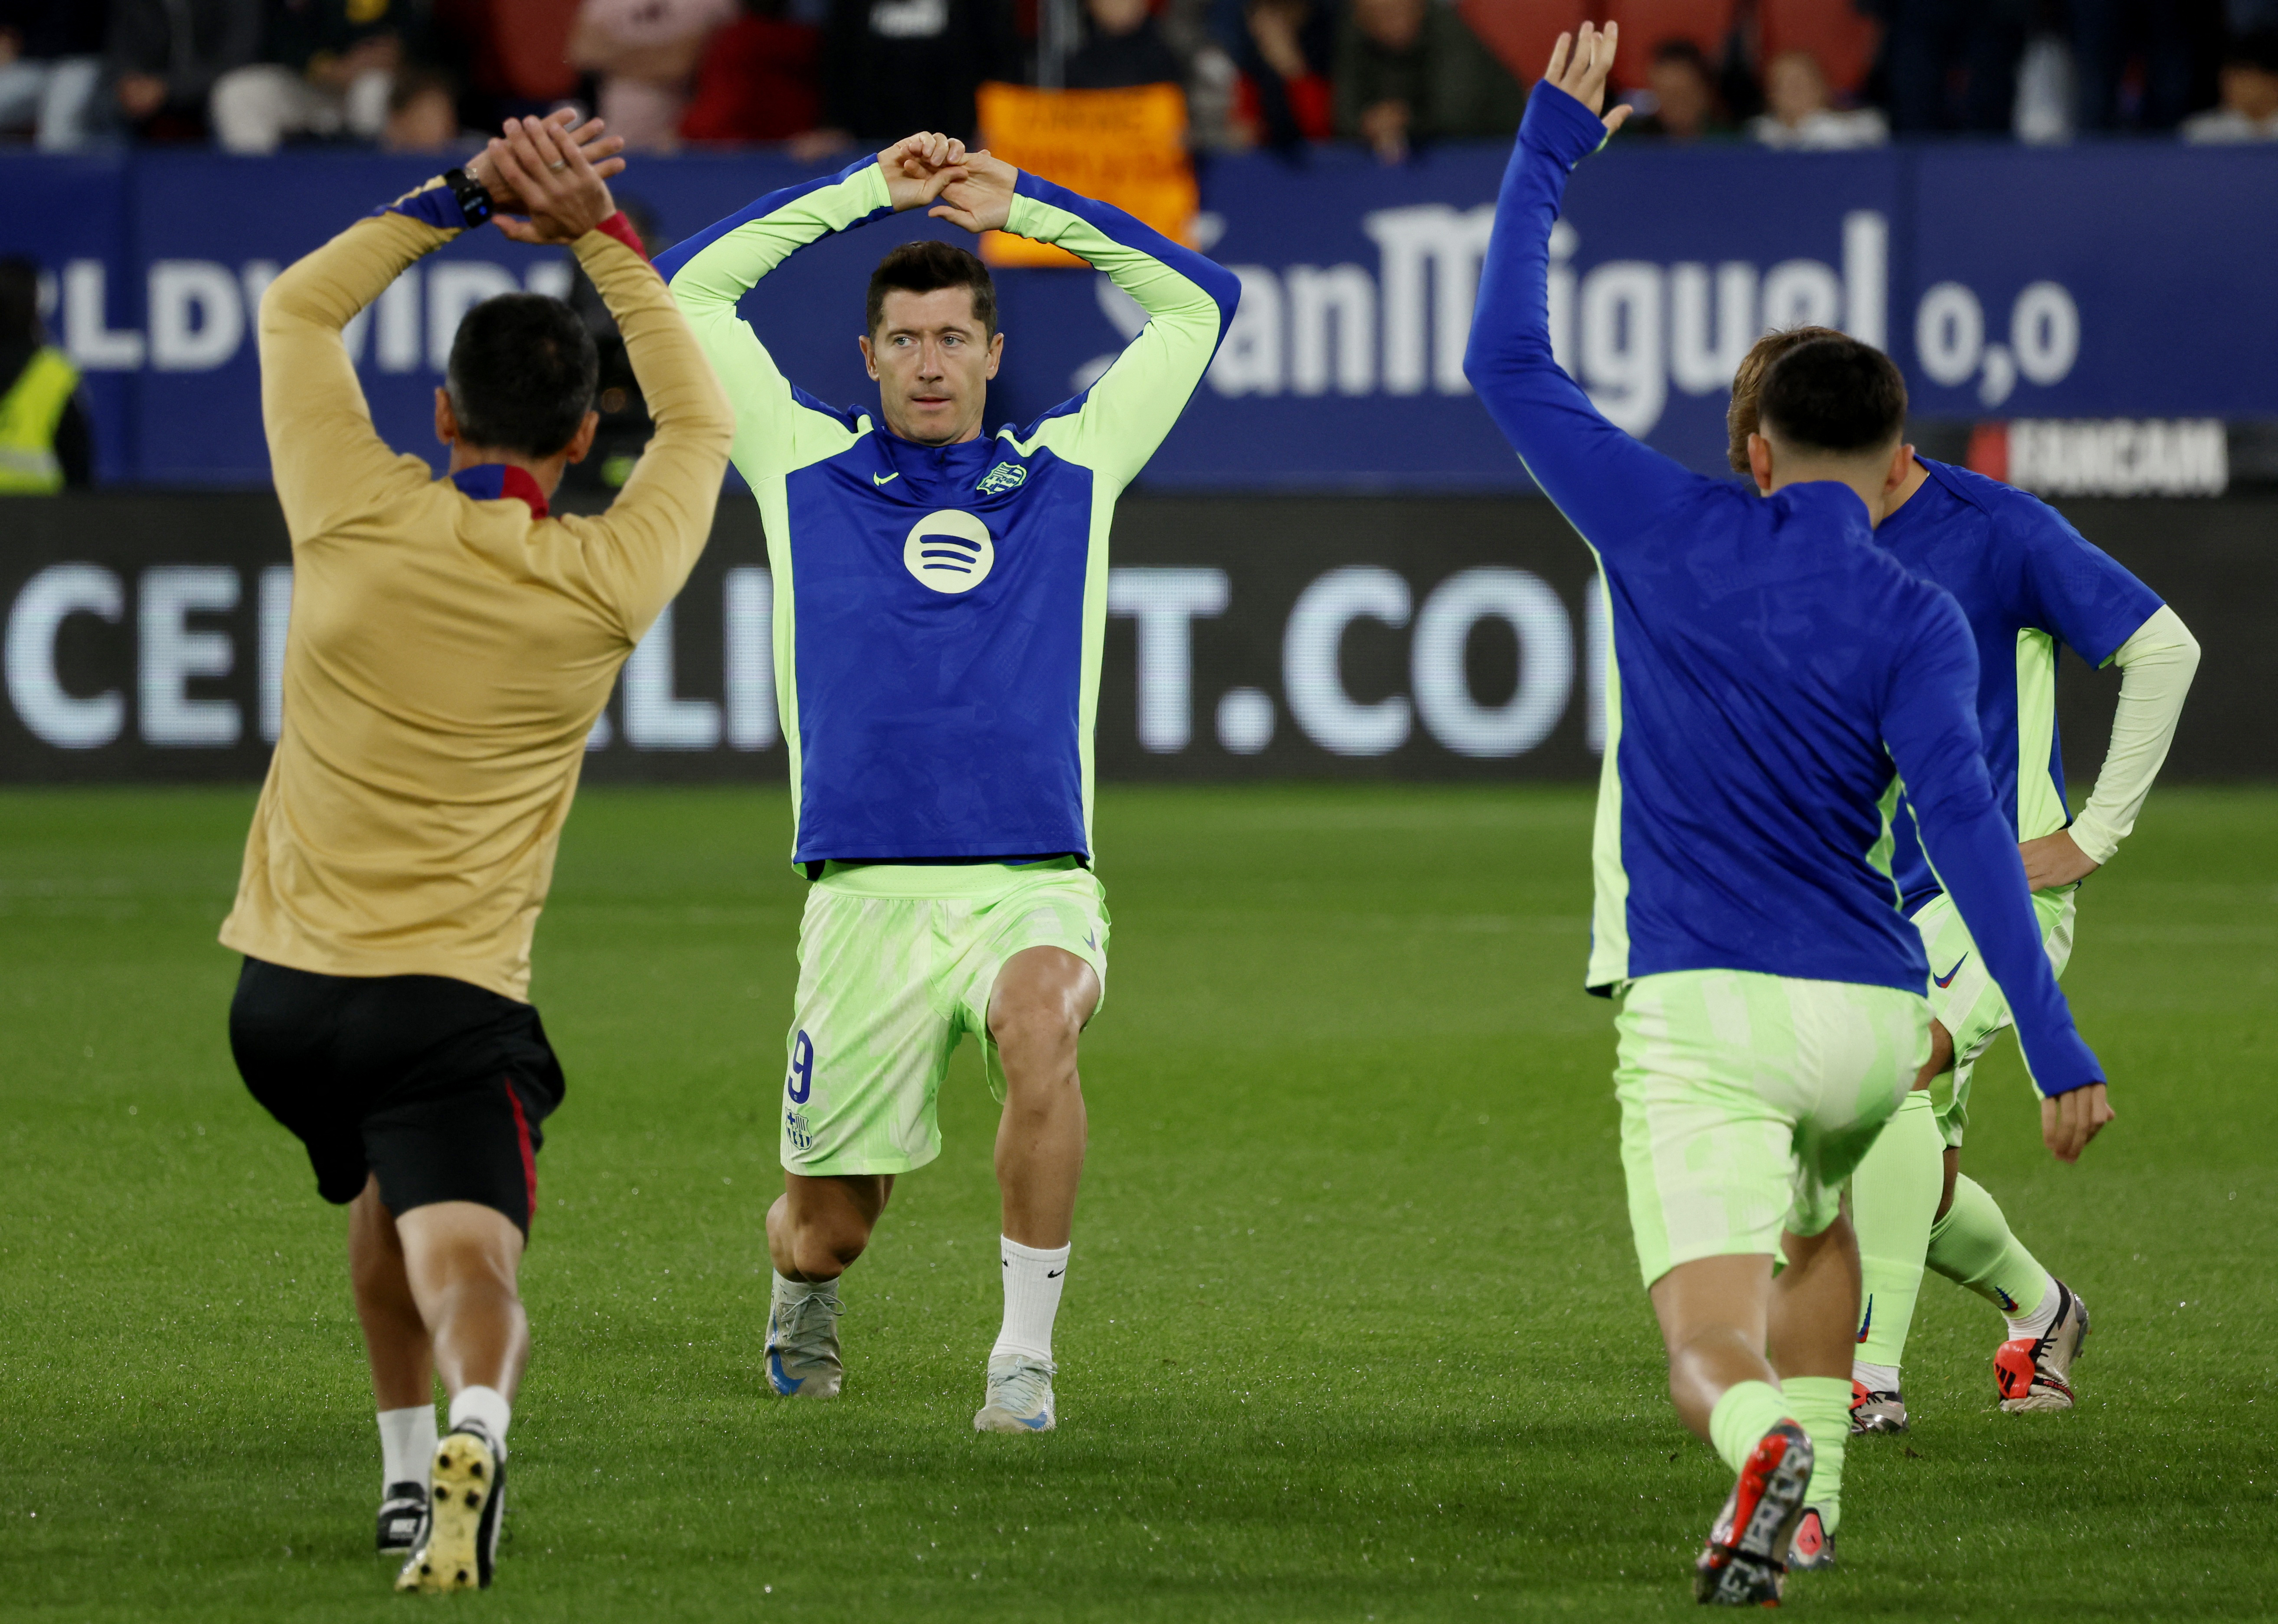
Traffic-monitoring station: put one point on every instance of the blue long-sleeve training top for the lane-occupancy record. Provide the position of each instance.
(2026, 581)
(939, 610)
(1771, 674)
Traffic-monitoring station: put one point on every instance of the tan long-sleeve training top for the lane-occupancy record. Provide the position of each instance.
(447, 655)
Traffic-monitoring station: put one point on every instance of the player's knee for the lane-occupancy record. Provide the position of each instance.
(824, 1246)
(1034, 1030)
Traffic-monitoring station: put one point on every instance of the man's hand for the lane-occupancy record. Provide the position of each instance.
(563, 191)
(2070, 1121)
(918, 167)
(1582, 74)
(601, 151)
(2054, 859)
(982, 200)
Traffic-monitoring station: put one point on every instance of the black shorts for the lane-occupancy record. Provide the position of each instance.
(436, 1085)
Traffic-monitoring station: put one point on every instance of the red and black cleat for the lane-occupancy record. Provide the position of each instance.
(1746, 1559)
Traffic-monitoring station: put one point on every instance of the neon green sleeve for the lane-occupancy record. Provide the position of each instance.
(1188, 302)
(774, 432)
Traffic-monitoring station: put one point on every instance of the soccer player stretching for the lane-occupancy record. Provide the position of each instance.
(450, 647)
(939, 601)
(1771, 672)
(2027, 581)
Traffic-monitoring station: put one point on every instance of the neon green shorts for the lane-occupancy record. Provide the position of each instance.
(896, 965)
(1967, 1003)
(1746, 1101)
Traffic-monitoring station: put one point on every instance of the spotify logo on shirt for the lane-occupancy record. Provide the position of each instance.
(949, 551)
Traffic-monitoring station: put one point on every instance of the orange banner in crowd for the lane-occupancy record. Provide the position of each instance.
(1124, 147)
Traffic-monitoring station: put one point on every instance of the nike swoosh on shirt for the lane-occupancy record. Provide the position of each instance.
(1947, 980)
(884, 479)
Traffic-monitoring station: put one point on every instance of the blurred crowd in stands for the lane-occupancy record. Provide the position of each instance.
(832, 75)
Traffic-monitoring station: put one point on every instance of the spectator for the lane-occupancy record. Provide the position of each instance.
(327, 67)
(45, 441)
(1283, 98)
(1123, 46)
(515, 56)
(757, 80)
(2178, 44)
(2250, 94)
(166, 56)
(1685, 105)
(645, 52)
(892, 66)
(1953, 64)
(1412, 70)
(423, 113)
(50, 70)
(1802, 116)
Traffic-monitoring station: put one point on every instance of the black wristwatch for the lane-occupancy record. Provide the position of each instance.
(474, 202)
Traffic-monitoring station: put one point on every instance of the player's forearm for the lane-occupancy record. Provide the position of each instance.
(2156, 665)
(1603, 481)
(1510, 320)
(326, 287)
(1976, 856)
(709, 272)
(322, 446)
(1172, 283)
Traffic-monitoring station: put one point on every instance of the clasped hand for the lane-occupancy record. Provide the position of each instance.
(555, 175)
(935, 172)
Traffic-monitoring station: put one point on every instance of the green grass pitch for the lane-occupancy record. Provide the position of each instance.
(1353, 1329)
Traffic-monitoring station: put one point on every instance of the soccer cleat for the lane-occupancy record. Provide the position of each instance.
(1812, 1546)
(402, 1514)
(1876, 1412)
(803, 1345)
(1020, 1395)
(2036, 1373)
(467, 1504)
(1746, 1559)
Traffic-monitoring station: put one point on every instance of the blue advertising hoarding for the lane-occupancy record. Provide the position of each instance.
(2090, 281)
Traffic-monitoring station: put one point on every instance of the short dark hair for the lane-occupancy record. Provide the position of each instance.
(1834, 394)
(1748, 382)
(926, 266)
(522, 374)
(20, 300)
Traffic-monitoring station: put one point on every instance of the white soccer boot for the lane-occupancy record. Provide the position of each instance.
(2036, 1373)
(802, 1355)
(1876, 1412)
(1020, 1395)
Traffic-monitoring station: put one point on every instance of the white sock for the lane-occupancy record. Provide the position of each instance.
(1875, 1378)
(2036, 1323)
(1033, 1279)
(407, 1446)
(487, 1406)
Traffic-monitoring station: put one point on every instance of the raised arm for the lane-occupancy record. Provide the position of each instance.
(1929, 726)
(641, 551)
(711, 271)
(1604, 482)
(326, 459)
(1190, 302)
